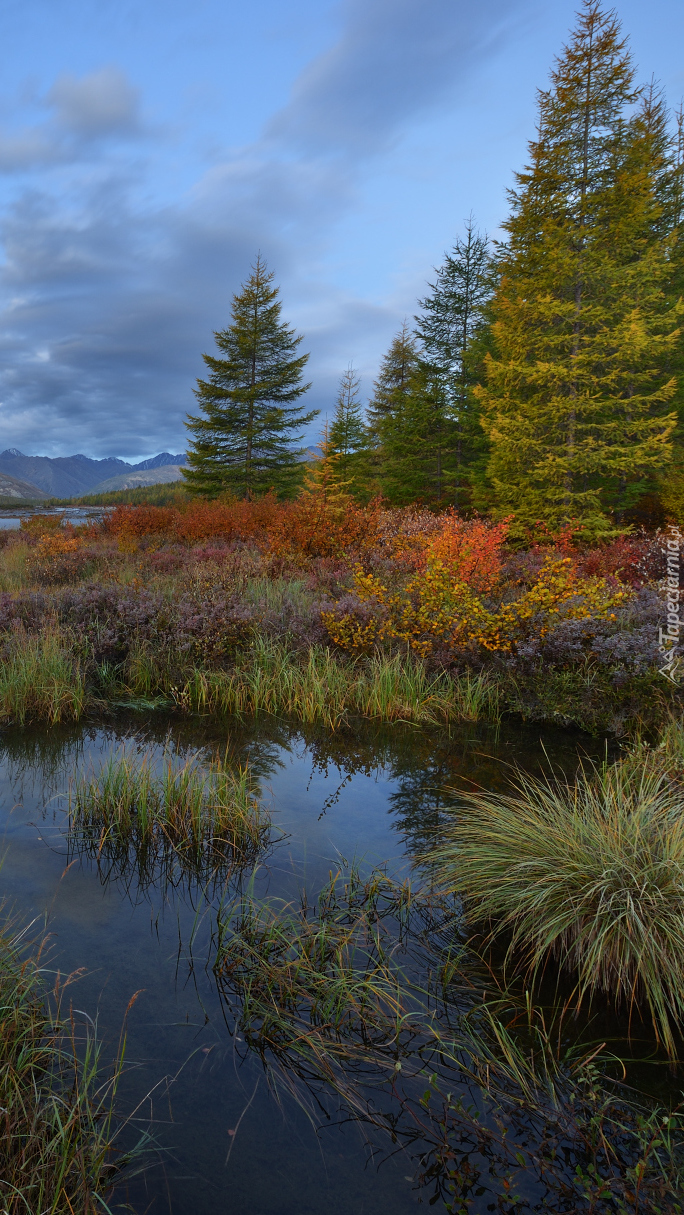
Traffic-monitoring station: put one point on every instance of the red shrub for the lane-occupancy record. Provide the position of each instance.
(470, 548)
(136, 521)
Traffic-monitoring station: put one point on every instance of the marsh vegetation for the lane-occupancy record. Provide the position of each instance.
(59, 1148)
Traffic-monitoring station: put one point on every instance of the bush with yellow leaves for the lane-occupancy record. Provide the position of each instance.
(435, 607)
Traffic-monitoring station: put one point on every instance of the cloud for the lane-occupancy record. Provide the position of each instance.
(102, 103)
(394, 59)
(107, 308)
(99, 106)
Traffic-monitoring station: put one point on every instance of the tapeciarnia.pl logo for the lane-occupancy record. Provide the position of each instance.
(668, 637)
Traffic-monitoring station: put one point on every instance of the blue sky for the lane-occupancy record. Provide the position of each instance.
(148, 148)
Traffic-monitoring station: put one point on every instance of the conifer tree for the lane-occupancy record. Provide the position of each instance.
(418, 443)
(576, 404)
(324, 485)
(451, 316)
(246, 437)
(348, 436)
(392, 384)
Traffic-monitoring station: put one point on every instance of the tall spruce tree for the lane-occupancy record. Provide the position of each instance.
(392, 384)
(348, 435)
(576, 404)
(246, 439)
(451, 317)
(418, 443)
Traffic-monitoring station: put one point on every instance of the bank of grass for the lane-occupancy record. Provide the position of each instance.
(590, 874)
(207, 816)
(41, 679)
(320, 687)
(57, 1115)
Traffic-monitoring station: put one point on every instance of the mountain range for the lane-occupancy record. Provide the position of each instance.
(73, 476)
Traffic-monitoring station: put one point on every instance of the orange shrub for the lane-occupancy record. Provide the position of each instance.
(38, 525)
(308, 528)
(137, 521)
(234, 520)
(57, 557)
(435, 607)
(198, 520)
(469, 550)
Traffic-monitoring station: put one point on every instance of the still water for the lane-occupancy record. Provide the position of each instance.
(10, 520)
(226, 1143)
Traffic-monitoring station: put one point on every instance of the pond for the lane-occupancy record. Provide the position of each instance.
(371, 794)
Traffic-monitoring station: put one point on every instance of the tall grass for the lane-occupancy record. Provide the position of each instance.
(274, 594)
(13, 567)
(591, 874)
(40, 679)
(205, 816)
(56, 1106)
(324, 688)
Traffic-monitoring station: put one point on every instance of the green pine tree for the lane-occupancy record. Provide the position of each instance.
(451, 320)
(392, 383)
(246, 439)
(576, 405)
(418, 443)
(348, 436)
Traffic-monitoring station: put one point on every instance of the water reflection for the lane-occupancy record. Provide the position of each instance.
(370, 792)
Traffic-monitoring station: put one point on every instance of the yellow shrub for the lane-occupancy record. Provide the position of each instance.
(434, 606)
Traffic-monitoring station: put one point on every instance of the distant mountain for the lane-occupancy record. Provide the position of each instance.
(161, 461)
(133, 480)
(73, 476)
(11, 487)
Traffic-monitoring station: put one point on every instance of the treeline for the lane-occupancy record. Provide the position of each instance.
(543, 375)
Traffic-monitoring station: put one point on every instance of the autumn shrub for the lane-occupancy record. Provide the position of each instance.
(436, 606)
(633, 560)
(470, 550)
(137, 521)
(41, 525)
(307, 528)
(58, 558)
(238, 519)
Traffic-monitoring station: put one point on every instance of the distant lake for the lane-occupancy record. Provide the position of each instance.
(75, 514)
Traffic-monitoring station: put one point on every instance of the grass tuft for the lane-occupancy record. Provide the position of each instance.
(41, 680)
(320, 986)
(56, 1108)
(591, 873)
(206, 817)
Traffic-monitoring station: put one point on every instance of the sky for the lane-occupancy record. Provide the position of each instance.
(150, 148)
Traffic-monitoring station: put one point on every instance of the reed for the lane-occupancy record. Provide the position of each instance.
(320, 987)
(335, 1000)
(321, 687)
(207, 816)
(591, 874)
(57, 1150)
(41, 680)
